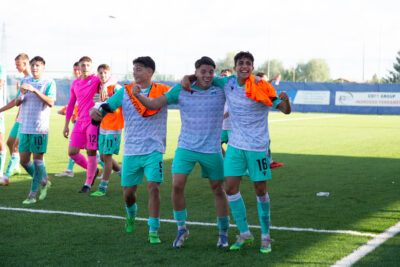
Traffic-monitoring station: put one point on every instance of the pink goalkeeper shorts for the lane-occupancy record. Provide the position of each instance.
(85, 135)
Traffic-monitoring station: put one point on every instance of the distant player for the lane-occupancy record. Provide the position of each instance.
(144, 142)
(110, 131)
(37, 96)
(248, 105)
(199, 141)
(84, 134)
(22, 65)
(272, 164)
(3, 151)
(226, 123)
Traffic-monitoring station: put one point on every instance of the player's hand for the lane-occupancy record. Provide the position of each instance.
(136, 89)
(257, 79)
(103, 93)
(186, 84)
(95, 114)
(27, 87)
(283, 96)
(66, 132)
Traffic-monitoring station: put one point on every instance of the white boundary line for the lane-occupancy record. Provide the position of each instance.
(310, 118)
(188, 222)
(368, 247)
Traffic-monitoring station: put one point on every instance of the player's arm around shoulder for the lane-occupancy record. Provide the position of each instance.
(284, 106)
(150, 103)
(112, 103)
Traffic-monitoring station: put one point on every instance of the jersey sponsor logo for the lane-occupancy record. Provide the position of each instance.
(89, 82)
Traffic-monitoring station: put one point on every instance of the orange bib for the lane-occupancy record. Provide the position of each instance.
(156, 90)
(113, 121)
(261, 92)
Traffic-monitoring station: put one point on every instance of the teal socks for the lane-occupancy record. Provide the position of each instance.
(132, 210)
(103, 186)
(154, 224)
(71, 164)
(263, 207)
(29, 168)
(223, 224)
(39, 173)
(180, 218)
(3, 155)
(239, 212)
(12, 165)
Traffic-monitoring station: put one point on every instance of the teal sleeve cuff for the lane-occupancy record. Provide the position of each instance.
(276, 102)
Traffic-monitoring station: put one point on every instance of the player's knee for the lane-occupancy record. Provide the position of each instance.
(154, 189)
(129, 197)
(260, 191)
(10, 144)
(178, 187)
(231, 190)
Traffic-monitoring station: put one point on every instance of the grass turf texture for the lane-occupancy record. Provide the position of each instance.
(354, 157)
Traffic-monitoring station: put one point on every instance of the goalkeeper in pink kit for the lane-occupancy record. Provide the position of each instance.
(84, 135)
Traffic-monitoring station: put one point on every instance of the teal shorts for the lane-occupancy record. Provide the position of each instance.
(134, 167)
(225, 136)
(2, 127)
(109, 144)
(15, 130)
(35, 143)
(237, 161)
(212, 164)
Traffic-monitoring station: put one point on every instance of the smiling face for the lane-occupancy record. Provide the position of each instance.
(243, 67)
(86, 69)
(204, 75)
(104, 75)
(142, 74)
(37, 68)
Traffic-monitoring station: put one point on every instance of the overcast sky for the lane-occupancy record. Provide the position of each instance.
(176, 32)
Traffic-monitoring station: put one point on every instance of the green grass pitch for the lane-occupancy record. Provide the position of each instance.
(356, 158)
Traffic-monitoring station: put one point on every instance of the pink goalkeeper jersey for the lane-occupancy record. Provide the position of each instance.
(82, 92)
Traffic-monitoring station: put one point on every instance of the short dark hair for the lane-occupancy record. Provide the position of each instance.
(226, 70)
(103, 66)
(85, 59)
(243, 54)
(76, 64)
(37, 59)
(204, 61)
(148, 62)
(261, 74)
(22, 56)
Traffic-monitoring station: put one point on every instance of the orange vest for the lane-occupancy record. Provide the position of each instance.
(156, 90)
(261, 92)
(113, 121)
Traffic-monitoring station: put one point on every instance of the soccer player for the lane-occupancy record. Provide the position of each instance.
(84, 135)
(37, 96)
(69, 172)
(110, 131)
(248, 105)
(247, 145)
(272, 164)
(22, 65)
(226, 123)
(3, 151)
(144, 142)
(199, 141)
